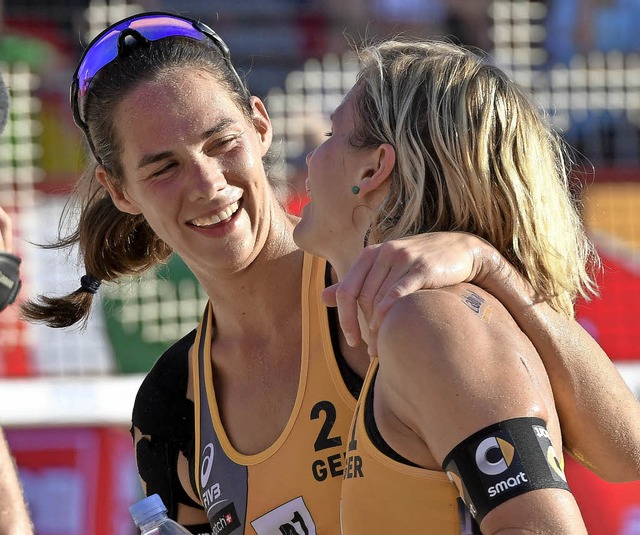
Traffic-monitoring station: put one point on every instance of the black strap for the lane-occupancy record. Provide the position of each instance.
(9, 279)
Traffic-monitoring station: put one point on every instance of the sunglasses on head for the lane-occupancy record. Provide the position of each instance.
(104, 48)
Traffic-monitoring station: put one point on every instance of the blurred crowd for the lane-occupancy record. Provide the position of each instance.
(269, 39)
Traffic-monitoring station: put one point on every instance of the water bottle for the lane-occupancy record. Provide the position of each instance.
(150, 515)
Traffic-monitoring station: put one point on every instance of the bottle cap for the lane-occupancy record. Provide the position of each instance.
(146, 508)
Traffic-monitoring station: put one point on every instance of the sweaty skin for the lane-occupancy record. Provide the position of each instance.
(591, 396)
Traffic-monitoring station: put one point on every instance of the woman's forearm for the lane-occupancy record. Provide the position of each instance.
(599, 414)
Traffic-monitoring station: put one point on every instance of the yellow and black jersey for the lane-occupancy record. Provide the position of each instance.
(383, 493)
(293, 487)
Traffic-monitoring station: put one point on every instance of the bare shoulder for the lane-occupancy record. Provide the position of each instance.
(458, 315)
(453, 361)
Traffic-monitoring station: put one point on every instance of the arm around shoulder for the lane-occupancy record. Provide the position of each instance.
(600, 415)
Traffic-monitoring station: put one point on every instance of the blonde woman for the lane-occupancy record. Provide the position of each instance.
(456, 401)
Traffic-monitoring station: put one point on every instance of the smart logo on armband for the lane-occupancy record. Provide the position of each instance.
(495, 456)
(503, 461)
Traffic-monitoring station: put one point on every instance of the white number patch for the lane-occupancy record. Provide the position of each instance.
(291, 518)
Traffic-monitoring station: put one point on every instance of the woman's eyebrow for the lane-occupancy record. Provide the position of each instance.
(153, 158)
(217, 128)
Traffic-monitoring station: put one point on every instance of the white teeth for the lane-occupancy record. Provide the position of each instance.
(220, 216)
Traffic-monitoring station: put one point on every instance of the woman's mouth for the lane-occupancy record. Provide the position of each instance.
(214, 219)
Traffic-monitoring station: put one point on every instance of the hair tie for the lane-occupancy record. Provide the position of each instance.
(90, 284)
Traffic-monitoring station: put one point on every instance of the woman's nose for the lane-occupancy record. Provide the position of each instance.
(308, 157)
(208, 179)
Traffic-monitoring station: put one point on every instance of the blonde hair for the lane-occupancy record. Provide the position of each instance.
(472, 154)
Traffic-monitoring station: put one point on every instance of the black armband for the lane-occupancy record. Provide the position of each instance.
(502, 461)
(9, 279)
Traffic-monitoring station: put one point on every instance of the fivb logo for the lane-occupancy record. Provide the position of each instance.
(209, 495)
(498, 449)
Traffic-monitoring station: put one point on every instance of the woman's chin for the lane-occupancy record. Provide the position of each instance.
(300, 233)
(307, 236)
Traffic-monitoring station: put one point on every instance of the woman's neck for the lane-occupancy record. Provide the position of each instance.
(342, 259)
(261, 297)
(256, 297)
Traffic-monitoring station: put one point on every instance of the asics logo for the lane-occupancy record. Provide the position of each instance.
(206, 464)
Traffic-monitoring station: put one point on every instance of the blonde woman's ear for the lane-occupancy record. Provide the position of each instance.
(384, 160)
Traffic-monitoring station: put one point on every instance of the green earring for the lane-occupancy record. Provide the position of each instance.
(355, 190)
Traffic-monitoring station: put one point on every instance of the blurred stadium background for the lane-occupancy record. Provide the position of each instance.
(66, 397)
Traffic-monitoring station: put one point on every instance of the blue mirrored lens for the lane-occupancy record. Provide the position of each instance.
(105, 48)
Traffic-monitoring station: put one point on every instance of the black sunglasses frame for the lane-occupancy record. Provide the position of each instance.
(197, 25)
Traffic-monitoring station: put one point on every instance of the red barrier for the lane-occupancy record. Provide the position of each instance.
(607, 508)
(77, 480)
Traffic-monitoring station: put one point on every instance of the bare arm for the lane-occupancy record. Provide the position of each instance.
(454, 364)
(14, 517)
(599, 413)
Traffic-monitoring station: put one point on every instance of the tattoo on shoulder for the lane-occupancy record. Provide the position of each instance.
(476, 303)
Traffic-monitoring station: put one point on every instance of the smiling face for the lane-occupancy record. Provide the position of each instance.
(193, 168)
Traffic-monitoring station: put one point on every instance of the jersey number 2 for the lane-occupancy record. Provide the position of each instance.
(324, 440)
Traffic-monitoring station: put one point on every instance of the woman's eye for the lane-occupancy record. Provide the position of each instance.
(328, 134)
(164, 169)
(223, 141)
